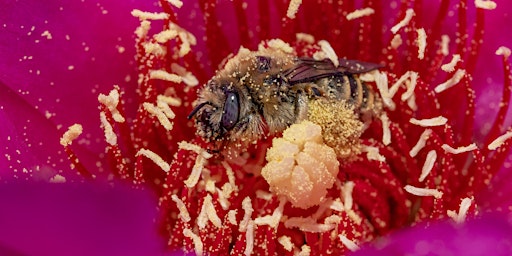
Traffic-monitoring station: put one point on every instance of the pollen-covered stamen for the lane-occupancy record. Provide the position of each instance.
(329, 52)
(164, 75)
(504, 51)
(459, 150)
(149, 15)
(423, 191)
(372, 153)
(455, 79)
(346, 192)
(274, 219)
(247, 206)
(360, 13)
(155, 158)
(308, 225)
(386, 133)
(293, 8)
(496, 143)
(184, 215)
(111, 101)
(421, 42)
(71, 134)
(421, 143)
(429, 122)
(249, 238)
(394, 88)
(428, 165)
(162, 112)
(410, 86)
(408, 16)
(460, 216)
(351, 245)
(198, 244)
(208, 213)
(485, 4)
(286, 242)
(187, 77)
(110, 136)
(445, 45)
(381, 80)
(177, 3)
(450, 67)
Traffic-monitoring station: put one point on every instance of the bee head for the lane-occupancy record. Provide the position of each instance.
(217, 111)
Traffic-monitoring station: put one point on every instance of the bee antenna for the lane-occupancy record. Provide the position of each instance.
(197, 108)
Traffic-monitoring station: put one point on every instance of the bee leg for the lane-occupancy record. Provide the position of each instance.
(301, 107)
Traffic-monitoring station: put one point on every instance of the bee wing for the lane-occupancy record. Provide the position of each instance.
(310, 70)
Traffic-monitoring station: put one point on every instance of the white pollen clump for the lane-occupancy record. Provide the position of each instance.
(422, 42)
(423, 191)
(305, 250)
(155, 158)
(276, 44)
(449, 149)
(436, 121)
(300, 166)
(408, 16)
(455, 79)
(348, 243)
(293, 8)
(372, 153)
(111, 101)
(329, 52)
(305, 37)
(505, 51)
(499, 141)
(460, 217)
(485, 4)
(450, 67)
(71, 134)
(360, 13)
(428, 165)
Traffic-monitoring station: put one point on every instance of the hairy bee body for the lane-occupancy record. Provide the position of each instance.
(266, 91)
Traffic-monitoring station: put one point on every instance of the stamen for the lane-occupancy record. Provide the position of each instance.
(455, 79)
(198, 245)
(450, 67)
(360, 13)
(164, 75)
(175, 102)
(187, 77)
(504, 51)
(394, 88)
(485, 4)
(230, 174)
(381, 80)
(372, 153)
(410, 86)
(155, 158)
(210, 211)
(293, 8)
(184, 215)
(111, 101)
(286, 242)
(396, 41)
(305, 250)
(329, 52)
(195, 148)
(308, 225)
(428, 165)
(149, 15)
(421, 42)
(176, 3)
(386, 133)
(247, 206)
(232, 217)
(71, 134)
(158, 113)
(110, 136)
(423, 191)
(249, 239)
(408, 16)
(196, 171)
(346, 192)
(58, 179)
(499, 141)
(348, 243)
(460, 217)
(435, 121)
(274, 219)
(445, 45)
(459, 150)
(421, 143)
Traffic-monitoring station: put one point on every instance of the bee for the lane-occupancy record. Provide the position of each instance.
(264, 92)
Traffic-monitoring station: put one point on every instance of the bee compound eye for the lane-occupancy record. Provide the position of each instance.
(231, 111)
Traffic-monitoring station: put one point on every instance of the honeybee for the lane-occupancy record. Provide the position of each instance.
(264, 92)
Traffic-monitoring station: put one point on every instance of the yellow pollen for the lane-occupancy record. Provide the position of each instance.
(71, 134)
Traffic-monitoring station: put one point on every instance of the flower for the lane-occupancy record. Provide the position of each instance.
(418, 161)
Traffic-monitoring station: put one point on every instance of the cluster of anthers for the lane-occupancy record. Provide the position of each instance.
(416, 161)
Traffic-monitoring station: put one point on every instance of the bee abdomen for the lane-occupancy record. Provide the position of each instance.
(351, 89)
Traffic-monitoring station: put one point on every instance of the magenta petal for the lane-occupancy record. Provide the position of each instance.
(77, 219)
(488, 235)
(56, 57)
